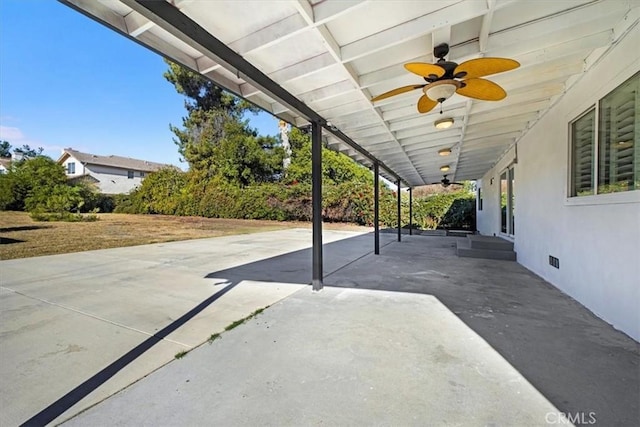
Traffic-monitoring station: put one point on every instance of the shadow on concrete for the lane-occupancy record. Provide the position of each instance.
(578, 362)
(295, 267)
(583, 366)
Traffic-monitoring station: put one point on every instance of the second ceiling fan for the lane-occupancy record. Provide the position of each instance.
(445, 182)
(444, 78)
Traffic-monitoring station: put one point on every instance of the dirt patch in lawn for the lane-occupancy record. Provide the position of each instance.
(21, 237)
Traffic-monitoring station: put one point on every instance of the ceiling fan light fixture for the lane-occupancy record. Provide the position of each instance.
(445, 123)
(444, 168)
(441, 90)
(444, 151)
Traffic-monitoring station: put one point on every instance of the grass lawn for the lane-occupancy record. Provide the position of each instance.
(21, 237)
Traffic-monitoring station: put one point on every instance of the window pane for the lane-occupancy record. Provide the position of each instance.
(618, 158)
(582, 152)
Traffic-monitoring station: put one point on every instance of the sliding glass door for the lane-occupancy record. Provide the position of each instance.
(507, 201)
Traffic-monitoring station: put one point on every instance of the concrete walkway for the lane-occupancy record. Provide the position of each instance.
(415, 336)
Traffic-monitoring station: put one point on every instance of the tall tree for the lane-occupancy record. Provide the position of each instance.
(5, 149)
(210, 110)
(243, 158)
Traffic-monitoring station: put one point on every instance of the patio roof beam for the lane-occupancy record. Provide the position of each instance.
(465, 123)
(483, 39)
(410, 211)
(376, 209)
(316, 200)
(137, 24)
(398, 183)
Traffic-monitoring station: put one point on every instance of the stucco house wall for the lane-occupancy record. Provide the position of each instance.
(79, 167)
(595, 238)
(114, 180)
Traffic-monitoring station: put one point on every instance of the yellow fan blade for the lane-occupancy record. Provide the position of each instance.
(426, 104)
(424, 69)
(396, 91)
(481, 67)
(485, 90)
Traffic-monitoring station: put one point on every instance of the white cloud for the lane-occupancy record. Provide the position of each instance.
(11, 134)
(17, 139)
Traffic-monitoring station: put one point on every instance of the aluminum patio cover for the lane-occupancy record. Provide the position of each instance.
(334, 55)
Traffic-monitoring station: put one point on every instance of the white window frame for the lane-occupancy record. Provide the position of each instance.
(621, 197)
(594, 162)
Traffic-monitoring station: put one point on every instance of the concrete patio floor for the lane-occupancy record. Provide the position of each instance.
(76, 328)
(415, 336)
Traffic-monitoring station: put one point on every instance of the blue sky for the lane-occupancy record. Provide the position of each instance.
(67, 81)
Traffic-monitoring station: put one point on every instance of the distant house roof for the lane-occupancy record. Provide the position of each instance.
(113, 161)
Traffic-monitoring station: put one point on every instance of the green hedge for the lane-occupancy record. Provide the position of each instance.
(449, 211)
(177, 193)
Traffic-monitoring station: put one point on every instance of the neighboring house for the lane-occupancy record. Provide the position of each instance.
(111, 174)
(5, 164)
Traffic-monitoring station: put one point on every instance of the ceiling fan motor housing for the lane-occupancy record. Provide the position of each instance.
(441, 50)
(448, 67)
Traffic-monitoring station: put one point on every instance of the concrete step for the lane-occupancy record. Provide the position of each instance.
(459, 233)
(489, 242)
(464, 249)
(440, 233)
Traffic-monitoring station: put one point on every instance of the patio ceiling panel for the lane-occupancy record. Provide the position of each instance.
(344, 109)
(338, 101)
(334, 55)
(329, 77)
(427, 131)
(364, 133)
(444, 142)
(411, 50)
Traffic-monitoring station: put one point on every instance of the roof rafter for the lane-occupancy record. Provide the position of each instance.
(335, 50)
